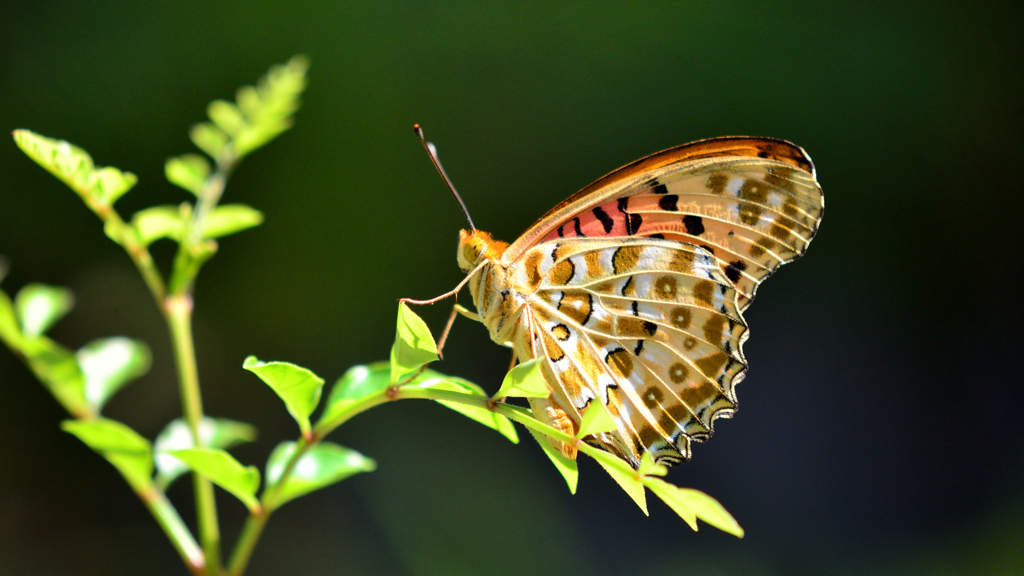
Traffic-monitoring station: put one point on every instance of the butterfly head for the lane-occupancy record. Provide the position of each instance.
(476, 246)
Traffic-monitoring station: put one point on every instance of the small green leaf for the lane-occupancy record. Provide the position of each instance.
(39, 306)
(596, 420)
(524, 381)
(436, 381)
(225, 115)
(414, 345)
(624, 475)
(320, 466)
(57, 368)
(120, 445)
(565, 466)
(357, 383)
(188, 171)
(691, 504)
(222, 469)
(109, 184)
(213, 433)
(73, 166)
(229, 219)
(109, 364)
(297, 386)
(649, 468)
(10, 331)
(158, 222)
(208, 138)
(270, 106)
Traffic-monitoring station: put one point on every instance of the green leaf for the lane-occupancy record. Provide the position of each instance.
(222, 469)
(10, 331)
(624, 475)
(229, 219)
(414, 345)
(648, 467)
(596, 420)
(565, 466)
(209, 139)
(225, 115)
(213, 433)
(39, 306)
(357, 383)
(433, 380)
(109, 184)
(158, 222)
(120, 445)
(691, 504)
(57, 368)
(524, 381)
(188, 171)
(109, 364)
(269, 107)
(297, 386)
(320, 466)
(73, 166)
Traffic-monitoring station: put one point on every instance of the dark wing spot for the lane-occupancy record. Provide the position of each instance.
(694, 225)
(626, 285)
(561, 234)
(639, 348)
(623, 204)
(658, 236)
(660, 189)
(669, 202)
(634, 309)
(576, 226)
(633, 222)
(733, 270)
(651, 328)
(605, 219)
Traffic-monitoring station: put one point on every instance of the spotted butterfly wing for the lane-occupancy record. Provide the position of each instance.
(633, 289)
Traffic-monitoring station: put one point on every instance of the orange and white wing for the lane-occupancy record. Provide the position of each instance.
(752, 202)
(648, 327)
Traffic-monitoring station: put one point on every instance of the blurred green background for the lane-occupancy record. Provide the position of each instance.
(880, 424)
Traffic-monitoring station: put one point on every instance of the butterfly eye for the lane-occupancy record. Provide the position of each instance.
(473, 250)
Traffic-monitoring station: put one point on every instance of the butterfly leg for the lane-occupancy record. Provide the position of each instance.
(456, 310)
(449, 293)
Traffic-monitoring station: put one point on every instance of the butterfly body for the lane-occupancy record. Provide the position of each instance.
(632, 290)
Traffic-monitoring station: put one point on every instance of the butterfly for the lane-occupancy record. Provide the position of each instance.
(632, 290)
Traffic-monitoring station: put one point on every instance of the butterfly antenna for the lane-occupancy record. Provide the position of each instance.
(432, 151)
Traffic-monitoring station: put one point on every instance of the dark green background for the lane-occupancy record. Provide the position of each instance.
(880, 425)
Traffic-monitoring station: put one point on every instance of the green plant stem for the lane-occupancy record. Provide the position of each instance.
(178, 310)
(168, 519)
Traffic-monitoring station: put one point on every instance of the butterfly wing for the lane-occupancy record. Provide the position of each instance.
(649, 327)
(752, 202)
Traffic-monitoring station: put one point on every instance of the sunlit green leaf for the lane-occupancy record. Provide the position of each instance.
(10, 331)
(269, 107)
(435, 381)
(73, 166)
(222, 469)
(213, 433)
(109, 364)
(320, 466)
(225, 115)
(596, 420)
(414, 345)
(208, 138)
(108, 184)
(566, 466)
(188, 171)
(648, 467)
(158, 222)
(119, 444)
(357, 383)
(57, 368)
(39, 306)
(624, 475)
(229, 219)
(299, 387)
(524, 381)
(691, 504)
